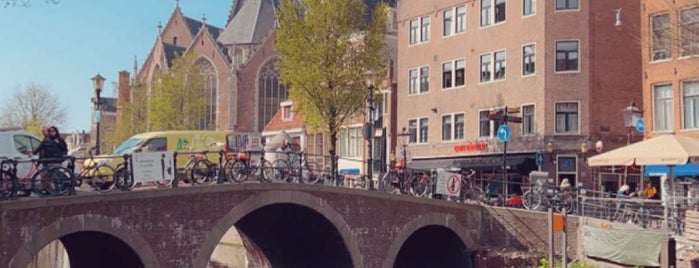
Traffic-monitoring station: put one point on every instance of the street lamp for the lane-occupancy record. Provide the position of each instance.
(369, 126)
(404, 136)
(549, 150)
(97, 83)
(584, 147)
(631, 115)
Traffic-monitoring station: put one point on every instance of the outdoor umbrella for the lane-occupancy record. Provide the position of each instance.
(666, 149)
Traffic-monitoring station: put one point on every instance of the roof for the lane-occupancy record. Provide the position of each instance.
(172, 51)
(195, 25)
(251, 23)
(276, 123)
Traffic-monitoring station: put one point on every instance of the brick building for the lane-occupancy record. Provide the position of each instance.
(567, 68)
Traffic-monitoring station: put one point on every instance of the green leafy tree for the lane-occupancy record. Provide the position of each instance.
(32, 108)
(177, 101)
(325, 49)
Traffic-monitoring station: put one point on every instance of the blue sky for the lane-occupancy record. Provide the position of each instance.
(62, 46)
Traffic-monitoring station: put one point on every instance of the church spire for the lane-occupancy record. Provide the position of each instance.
(160, 27)
(177, 4)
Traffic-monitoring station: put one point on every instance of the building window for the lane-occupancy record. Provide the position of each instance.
(271, 93)
(500, 61)
(424, 29)
(566, 4)
(454, 25)
(414, 24)
(567, 117)
(209, 94)
(528, 7)
(566, 56)
(416, 86)
(485, 67)
(418, 129)
(453, 127)
(690, 90)
(528, 120)
(689, 32)
(662, 107)
(485, 125)
(350, 142)
(660, 37)
(485, 12)
(528, 60)
(287, 113)
(453, 73)
(488, 13)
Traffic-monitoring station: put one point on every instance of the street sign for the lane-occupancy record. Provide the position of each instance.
(503, 133)
(497, 116)
(448, 183)
(640, 125)
(153, 166)
(539, 158)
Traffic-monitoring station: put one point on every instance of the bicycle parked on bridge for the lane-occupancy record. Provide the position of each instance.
(44, 177)
(542, 196)
(244, 167)
(469, 189)
(296, 169)
(400, 181)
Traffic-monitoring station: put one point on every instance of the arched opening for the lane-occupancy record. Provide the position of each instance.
(433, 246)
(87, 249)
(286, 235)
(209, 93)
(271, 93)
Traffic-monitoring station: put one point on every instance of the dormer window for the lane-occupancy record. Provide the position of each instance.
(287, 112)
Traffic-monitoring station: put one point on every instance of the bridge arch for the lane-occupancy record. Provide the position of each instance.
(443, 224)
(276, 197)
(85, 224)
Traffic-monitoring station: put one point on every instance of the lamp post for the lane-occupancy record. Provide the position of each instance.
(631, 115)
(584, 147)
(404, 136)
(369, 127)
(97, 82)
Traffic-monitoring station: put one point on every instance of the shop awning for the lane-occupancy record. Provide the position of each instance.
(473, 162)
(686, 170)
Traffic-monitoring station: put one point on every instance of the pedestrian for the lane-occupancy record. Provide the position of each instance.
(623, 191)
(53, 148)
(649, 190)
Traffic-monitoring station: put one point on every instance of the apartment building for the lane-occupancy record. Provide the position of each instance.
(567, 68)
(670, 60)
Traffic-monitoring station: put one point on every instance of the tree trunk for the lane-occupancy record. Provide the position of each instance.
(332, 128)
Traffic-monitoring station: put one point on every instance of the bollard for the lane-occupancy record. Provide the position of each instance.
(220, 175)
(71, 169)
(174, 160)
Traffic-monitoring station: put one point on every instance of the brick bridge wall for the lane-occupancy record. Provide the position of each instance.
(181, 227)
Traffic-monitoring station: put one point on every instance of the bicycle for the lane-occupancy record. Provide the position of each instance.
(45, 178)
(296, 169)
(469, 189)
(201, 169)
(533, 199)
(394, 180)
(243, 168)
(98, 174)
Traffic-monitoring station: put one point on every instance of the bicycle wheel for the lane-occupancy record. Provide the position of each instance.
(5, 185)
(124, 181)
(531, 200)
(239, 171)
(200, 173)
(266, 171)
(227, 171)
(49, 182)
(568, 204)
(360, 182)
(281, 170)
(102, 178)
(474, 193)
(311, 173)
(390, 182)
(420, 185)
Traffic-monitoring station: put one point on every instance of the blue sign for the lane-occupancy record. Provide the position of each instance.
(640, 126)
(350, 171)
(539, 158)
(503, 133)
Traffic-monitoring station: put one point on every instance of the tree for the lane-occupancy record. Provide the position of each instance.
(325, 49)
(31, 108)
(177, 101)
(24, 3)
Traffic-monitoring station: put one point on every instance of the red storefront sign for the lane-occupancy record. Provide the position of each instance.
(471, 146)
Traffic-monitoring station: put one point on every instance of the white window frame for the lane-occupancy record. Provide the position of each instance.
(493, 125)
(690, 105)
(689, 45)
(419, 30)
(491, 12)
(526, 118)
(425, 24)
(555, 56)
(287, 111)
(453, 65)
(456, 23)
(533, 59)
(417, 87)
(415, 127)
(532, 4)
(667, 123)
(351, 142)
(453, 132)
(555, 120)
(668, 39)
(491, 66)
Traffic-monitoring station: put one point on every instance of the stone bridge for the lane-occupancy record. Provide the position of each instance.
(281, 225)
